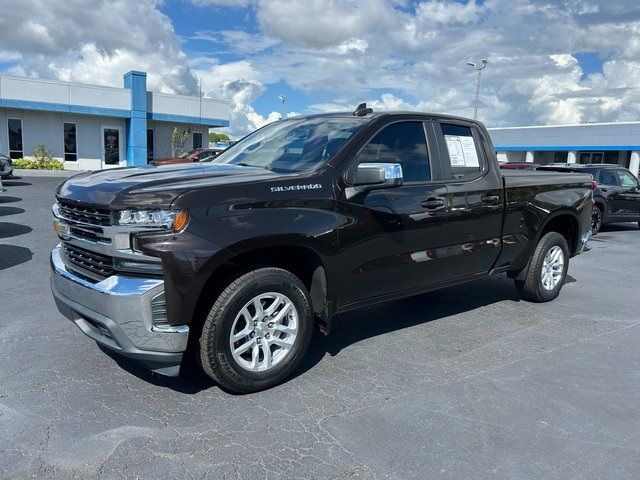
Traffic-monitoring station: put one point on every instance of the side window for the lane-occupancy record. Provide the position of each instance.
(627, 179)
(402, 143)
(607, 177)
(465, 159)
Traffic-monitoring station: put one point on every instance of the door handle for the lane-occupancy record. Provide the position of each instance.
(488, 198)
(432, 203)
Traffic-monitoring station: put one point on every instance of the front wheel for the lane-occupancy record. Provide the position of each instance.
(547, 270)
(257, 331)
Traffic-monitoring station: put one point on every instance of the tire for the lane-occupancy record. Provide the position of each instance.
(533, 287)
(286, 339)
(596, 220)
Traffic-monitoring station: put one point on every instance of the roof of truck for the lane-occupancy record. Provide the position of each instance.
(384, 113)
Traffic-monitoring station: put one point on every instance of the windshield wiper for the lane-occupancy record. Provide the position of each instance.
(242, 164)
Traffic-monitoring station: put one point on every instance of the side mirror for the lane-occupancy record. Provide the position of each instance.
(378, 175)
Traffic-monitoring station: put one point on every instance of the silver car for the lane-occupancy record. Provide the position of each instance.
(6, 167)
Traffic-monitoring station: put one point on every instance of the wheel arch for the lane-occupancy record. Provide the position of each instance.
(297, 255)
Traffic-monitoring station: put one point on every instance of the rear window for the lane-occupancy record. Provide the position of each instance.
(607, 177)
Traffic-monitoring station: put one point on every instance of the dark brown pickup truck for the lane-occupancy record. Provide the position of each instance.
(236, 259)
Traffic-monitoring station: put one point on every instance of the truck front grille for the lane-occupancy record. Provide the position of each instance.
(97, 263)
(84, 213)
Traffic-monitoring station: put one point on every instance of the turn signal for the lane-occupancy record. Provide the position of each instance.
(182, 217)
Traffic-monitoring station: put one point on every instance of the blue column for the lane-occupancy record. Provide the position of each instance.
(137, 124)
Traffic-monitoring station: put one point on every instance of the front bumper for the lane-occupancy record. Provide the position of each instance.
(117, 314)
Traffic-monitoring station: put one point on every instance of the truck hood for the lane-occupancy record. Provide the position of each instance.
(151, 185)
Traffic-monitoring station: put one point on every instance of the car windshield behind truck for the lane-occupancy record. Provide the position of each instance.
(291, 146)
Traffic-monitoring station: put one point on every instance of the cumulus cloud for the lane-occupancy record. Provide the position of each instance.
(95, 41)
(395, 53)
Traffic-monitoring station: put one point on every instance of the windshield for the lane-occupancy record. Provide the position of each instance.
(294, 145)
(186, 154)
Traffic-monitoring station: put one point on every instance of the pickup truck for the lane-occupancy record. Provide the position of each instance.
(236, 260)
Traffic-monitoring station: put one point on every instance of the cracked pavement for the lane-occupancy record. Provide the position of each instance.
(467, 382)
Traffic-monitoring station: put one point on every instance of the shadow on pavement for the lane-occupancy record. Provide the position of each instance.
(191, 380)
(10, 211)
(8, 230)
(618, 227)
(351, 328)
(14, 183)
(9, 199)
(12, 255)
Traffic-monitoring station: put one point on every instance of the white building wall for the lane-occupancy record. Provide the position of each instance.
(47, 128)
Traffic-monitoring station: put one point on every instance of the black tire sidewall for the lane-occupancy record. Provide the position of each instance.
(599, 213)
(547, 242)
(219, 350)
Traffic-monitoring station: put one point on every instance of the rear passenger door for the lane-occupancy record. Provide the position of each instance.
(629, 196)
(475, 197)
(610, 188)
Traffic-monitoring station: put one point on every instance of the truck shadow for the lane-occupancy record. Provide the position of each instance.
(356, 326)
(353, 327)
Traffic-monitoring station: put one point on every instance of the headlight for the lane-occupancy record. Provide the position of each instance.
(174, 220)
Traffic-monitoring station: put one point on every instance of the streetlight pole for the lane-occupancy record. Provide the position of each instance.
(479, 69)
(282, 98)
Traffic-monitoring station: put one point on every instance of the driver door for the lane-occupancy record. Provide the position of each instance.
(392, 239)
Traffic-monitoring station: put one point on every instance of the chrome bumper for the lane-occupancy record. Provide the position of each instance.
(116, 313)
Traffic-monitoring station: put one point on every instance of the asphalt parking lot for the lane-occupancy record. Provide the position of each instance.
(468, 382)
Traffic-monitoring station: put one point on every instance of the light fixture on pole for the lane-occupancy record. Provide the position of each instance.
(479, 68)
(282, 99)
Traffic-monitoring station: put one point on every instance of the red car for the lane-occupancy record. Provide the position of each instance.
(196, 155)
(519, 166)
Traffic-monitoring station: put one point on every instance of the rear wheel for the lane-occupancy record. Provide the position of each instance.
(547, 270)
(257, 331)
(596, 220)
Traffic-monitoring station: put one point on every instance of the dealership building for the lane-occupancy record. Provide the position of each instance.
(583, 143)
(92, 127)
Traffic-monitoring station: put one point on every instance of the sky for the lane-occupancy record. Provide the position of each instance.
(549, 62)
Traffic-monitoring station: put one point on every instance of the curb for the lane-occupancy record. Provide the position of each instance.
(45, 173)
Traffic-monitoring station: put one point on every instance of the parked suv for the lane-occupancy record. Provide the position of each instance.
(616, 194)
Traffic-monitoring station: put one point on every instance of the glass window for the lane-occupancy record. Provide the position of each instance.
(111, 140)
(149, 144)
(292, 145)
(465, 158)
(402, 143)
(607, 177)
(197, 140)
(70, 142)
(627, 179)
(14, 126)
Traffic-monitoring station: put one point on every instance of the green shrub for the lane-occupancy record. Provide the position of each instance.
(42, 154)
(45, 164)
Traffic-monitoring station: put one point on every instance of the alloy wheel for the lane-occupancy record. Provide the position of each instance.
(264, 331)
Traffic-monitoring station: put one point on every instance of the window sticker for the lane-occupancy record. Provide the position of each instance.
(462, 151)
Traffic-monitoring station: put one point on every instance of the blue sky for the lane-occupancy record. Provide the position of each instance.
(549, 62)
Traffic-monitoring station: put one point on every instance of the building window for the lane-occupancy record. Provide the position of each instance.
(111, 145)
(14, 126)
(70, 142)
(149, 144)
(197, 140)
